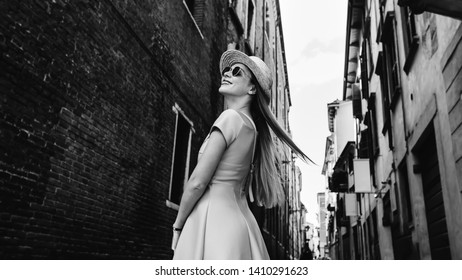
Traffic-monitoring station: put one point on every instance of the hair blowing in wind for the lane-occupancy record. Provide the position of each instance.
(269, 189)
(279, 131)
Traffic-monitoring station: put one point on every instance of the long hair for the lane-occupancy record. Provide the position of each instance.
(269, 190)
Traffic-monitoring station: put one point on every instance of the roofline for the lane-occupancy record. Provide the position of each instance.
(347, 49)
(350, 19)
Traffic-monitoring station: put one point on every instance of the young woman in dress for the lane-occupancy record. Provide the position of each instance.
(214, 220)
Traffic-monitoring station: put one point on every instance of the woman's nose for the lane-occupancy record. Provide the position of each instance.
(227, 73)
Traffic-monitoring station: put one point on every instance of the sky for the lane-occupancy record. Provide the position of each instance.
(314, 39)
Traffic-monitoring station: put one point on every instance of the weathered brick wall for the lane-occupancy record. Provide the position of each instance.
(86, 122)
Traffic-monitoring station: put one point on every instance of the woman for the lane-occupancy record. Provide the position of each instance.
(214, 220)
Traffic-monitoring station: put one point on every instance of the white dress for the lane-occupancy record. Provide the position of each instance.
(221, 225)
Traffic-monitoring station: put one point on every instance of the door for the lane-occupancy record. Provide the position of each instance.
(433, 196)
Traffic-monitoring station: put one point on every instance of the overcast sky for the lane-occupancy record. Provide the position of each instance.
(314, 38)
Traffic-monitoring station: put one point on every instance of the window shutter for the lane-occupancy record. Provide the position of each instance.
(357, 106)
(364, 72)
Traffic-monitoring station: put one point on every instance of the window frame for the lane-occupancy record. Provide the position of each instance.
(371, 122)
(404, 193)
(391, 59)
(250, 25)
(388, 68)
(193, 12)
(375, 148)
(410, 37)
(364, 61)
(179, 114)
(383, 73)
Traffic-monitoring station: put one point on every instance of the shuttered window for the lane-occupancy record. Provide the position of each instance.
(410, 37)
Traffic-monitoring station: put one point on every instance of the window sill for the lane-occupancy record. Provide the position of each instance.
(172, 205)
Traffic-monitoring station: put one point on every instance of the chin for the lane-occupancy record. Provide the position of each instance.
(222, 90)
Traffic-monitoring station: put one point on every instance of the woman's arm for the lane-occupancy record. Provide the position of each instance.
(201, 176)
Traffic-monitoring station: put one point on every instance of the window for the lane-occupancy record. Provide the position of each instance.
(376, 251)
(389, 71)
(250, 18)
(391, 61)
(181, 155)
(372, 135)
(373, 144)
(381, 70)
(235, 13)
(373, 125)
(410, 37)
(387, 213)
(404, 196)
(364, 143)
(356, 242)
(196, 11)
(249, 41)
(366, 53)
(364, 73)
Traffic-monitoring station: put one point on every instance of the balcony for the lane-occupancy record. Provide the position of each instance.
(339, 181)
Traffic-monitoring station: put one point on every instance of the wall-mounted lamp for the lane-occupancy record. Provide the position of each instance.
(387, 182)
(378, 194)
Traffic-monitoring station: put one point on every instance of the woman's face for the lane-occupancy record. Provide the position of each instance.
(236, 80)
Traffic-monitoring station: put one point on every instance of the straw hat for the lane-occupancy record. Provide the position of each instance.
(259, 68)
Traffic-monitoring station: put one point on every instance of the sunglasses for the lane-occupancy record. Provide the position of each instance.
(236, 71)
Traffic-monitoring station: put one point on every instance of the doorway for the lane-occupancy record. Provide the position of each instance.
(428, 168)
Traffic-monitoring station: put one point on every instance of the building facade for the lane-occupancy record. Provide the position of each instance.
(398, 181)
(323, 220)
(104, 107)
(297, 216)
(102, 102)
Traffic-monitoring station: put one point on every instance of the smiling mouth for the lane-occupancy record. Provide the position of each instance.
(225, 82)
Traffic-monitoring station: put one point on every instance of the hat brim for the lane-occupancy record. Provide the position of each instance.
(262, 75)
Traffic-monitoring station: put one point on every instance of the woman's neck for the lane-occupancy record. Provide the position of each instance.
(238, 105)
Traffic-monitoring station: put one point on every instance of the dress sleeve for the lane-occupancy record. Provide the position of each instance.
(229, 123)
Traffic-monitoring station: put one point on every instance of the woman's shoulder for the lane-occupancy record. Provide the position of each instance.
(241, 118)
(231, 116)
(238, 117)
(230, 124)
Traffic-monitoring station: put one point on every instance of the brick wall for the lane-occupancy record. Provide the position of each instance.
(86, 122)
